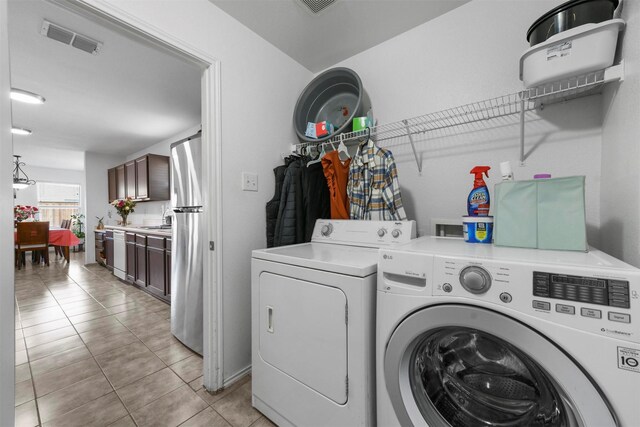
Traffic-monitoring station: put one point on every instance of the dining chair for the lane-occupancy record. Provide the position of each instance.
(31, 236)
(66, 223)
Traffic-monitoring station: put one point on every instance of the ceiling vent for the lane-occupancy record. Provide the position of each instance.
(70, 38)
(316, 6)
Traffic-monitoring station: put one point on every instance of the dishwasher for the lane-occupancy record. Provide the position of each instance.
(119, 255)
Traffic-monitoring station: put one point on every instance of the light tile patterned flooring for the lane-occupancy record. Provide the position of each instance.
(93, 351)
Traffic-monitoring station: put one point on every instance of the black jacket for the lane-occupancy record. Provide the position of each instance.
(274, 204)
(290, 221)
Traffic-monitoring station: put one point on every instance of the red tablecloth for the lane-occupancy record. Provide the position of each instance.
(60, 237)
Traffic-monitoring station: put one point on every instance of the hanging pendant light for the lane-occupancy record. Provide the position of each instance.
(20, 179)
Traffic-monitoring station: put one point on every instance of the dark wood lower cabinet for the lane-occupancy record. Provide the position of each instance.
(141, 260)
(99, 247)
(108, 249)
(156, 263)
(148, 262)
(131, 257)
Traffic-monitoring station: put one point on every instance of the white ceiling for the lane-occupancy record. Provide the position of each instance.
(129, 96)
(133, 94)
(342, 30)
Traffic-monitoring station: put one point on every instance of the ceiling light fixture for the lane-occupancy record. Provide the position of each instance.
(20, 179)
(25, 96)
(20, 131)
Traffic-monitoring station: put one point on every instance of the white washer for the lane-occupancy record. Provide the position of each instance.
(313, 324)
(477, 335)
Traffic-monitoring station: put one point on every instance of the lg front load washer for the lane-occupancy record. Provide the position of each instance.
(475, 335)
(313, 324)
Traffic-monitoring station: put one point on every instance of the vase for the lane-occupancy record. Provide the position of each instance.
(124, 219)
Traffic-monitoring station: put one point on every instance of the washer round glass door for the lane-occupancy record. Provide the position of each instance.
(455, 365)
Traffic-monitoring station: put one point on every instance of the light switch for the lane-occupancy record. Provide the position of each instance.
(249, 181)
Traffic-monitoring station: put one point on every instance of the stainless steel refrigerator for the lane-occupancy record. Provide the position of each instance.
(187, 242)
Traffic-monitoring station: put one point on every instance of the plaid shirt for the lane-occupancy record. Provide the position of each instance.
(373, 188)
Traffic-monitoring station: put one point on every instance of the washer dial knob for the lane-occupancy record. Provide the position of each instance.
(396, 233)
(382, 232)
(475, 279)
(326, 230)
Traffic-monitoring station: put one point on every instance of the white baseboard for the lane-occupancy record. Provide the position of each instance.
(236, 377)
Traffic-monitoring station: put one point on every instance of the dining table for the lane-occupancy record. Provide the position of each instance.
(62, 237)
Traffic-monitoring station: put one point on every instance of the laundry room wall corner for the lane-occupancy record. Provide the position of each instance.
(468, 55)
(620, 199)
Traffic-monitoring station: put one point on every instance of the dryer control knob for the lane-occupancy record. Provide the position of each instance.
(326, 230)
(396, 233)
(475, 279)
(382, 232)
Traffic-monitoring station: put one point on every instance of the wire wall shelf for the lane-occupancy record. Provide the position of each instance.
(480, 112)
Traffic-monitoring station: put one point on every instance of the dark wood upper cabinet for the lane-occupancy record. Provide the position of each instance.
(113, 187)
(130, 174)
(144, 179)
(157, 177)
(121, 183)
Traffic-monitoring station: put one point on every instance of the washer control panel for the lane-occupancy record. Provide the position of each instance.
(593, 293)
(590, 290)
(363, 233)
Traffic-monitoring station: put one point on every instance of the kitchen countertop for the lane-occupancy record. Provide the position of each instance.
(166, 232)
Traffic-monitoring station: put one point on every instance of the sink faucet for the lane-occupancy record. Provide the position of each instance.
(165, 216)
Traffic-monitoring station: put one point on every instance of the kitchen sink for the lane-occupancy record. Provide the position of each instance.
(157, 227)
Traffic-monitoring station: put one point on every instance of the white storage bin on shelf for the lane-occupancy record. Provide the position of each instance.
(583, 49)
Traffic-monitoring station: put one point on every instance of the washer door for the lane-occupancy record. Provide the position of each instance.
(455, 365)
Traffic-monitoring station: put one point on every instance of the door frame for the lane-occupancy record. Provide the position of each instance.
(7, 289)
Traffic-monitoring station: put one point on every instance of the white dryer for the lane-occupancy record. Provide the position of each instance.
(313, 324)
(477, 335)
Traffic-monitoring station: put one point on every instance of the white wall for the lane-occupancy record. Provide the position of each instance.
(150, 213)
(470, 54)
(7, 294)
(259, 88)
(620, 200)
(96, 196)
(29, 196)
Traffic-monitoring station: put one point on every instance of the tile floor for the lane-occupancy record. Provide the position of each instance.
(93, 351)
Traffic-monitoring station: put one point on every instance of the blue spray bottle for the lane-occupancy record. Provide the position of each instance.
(478, 201)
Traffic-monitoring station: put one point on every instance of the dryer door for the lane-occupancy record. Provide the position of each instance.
(303, 333)
(456, 365)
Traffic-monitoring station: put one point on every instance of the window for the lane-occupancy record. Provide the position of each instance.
(58, 202)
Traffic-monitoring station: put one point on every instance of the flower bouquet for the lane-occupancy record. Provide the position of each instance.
(25, 213)
(124, 208)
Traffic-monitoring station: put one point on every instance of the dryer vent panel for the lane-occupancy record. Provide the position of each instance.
(69, 37)
(316, 6)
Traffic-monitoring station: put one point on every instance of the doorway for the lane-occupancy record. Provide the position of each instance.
(210, 107)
